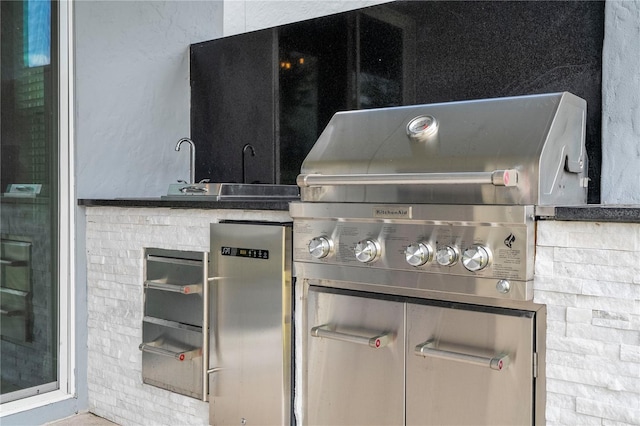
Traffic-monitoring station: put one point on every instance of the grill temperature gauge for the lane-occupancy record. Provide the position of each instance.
(422, 128)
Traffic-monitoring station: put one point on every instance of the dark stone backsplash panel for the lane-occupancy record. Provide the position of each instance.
(495, 49)
(459, 51)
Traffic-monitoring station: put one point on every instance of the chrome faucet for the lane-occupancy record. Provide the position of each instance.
(192, 157)
(244, 151)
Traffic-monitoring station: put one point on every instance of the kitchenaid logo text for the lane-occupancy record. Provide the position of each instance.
(392, 212)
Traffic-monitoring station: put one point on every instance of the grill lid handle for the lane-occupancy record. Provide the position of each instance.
(508, 177)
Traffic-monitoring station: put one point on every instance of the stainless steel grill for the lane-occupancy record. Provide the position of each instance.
(416, 229)
(517, 151)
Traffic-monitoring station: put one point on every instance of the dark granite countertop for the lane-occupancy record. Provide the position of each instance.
(187, 204)
(599, 213)
(586, 213)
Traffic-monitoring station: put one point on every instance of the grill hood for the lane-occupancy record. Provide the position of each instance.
(526, 150)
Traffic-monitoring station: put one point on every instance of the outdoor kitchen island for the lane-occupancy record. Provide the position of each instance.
(117, 234)
(585, 273)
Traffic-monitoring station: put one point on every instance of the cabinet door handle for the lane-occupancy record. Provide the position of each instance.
(153, 348)
(379, 340)
(498, 362)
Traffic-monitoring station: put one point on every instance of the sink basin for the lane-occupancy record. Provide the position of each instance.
(231, 191)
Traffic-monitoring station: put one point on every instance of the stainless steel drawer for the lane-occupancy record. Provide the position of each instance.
(175, 348)
(172, 356)
(16, 308)
(174, 285)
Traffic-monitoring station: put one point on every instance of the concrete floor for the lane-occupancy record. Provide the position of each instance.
(83, 419)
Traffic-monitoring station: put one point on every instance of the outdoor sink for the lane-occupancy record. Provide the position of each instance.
(231, 191)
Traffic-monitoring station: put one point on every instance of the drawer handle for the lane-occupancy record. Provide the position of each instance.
(183, 289)
(153, 348)
(14, 292)
(14, 313)
(498, 362)
(8, 262)
(378, 341)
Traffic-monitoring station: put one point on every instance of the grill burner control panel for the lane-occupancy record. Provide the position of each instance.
(422, 250)
(487, 250)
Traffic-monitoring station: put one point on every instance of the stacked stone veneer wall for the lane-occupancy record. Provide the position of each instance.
(588, 276)
(116, 238)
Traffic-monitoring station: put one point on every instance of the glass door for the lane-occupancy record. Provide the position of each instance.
(29, 199)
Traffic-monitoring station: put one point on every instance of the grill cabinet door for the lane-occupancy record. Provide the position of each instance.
(452, 383)
(355, 361)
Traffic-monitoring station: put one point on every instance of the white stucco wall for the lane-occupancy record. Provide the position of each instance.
(132, 87)
(132, 92)
(620, 183)
(132, 83)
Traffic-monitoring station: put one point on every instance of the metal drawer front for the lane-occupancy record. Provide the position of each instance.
(174, 306)
(355, 361)
(467, 367)
(174, 286)
(172, 356)
(15, 260)
(16, 309)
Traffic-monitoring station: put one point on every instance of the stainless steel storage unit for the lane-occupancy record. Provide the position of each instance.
(454, 355)
(250, 344)
(175, 323)
(414, 241)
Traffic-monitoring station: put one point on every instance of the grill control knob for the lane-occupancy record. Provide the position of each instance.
(417, 254)
(475, 258)
(367, 251)
(320, 247)
(447, 256)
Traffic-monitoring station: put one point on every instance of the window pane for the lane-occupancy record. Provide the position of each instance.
(37, 32)
(28, 199)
